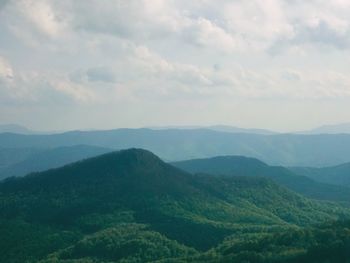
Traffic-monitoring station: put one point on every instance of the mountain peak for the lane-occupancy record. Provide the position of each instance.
(136, 169)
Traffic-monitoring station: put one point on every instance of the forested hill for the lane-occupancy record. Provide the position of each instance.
(129, 206)
(243, 166)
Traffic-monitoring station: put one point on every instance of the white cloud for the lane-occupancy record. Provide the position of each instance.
(41, 14)
(6, 71)
(93, 52)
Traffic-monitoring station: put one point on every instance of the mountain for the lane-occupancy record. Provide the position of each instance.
(51, 158)
(174, 144)
(331, 129)
(220, 128)
(14, 128)
(225, 128)
(337, 175)
(9, 156)
(243, 166)
(129, 206)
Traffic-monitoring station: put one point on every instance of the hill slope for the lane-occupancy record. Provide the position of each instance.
(86, 211)
(319, 244)
(338, 175)
(243, 166)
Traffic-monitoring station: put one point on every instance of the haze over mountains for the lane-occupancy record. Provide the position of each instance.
(222, 128)
(14, 128)
(325, 129)
(41, 160)
(175, 144)
(331, 129)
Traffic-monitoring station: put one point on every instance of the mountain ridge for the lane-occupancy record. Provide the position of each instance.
(174, 145)
(243, 166)
(337, 175)
(45, 159)
(101, 196)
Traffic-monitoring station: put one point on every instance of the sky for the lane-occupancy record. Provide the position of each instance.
(276, 64)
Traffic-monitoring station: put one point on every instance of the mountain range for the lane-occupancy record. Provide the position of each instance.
(174, 144)
(40, 160)
(130, 206)
(14, 128)
(243, 166)
(331, 129)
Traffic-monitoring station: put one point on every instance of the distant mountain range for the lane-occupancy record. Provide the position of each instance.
(221, 128)
(41, 160)
(331, 129)
(326, 129)
(175, 144)
(130, 206)
(14, 128)
(343, 128)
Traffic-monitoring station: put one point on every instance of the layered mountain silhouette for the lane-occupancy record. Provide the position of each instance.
(175, 144)
(131, 206)
(37, 160)
(337, 175)
(14, 128)
(243, 166)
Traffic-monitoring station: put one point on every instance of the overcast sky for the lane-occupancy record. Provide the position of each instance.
(282, 65)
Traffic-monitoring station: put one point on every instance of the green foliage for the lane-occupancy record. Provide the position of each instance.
(124, 243)
(129, 206)
(322, 244)
(25, 242)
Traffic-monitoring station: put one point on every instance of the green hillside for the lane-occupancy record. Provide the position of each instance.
(243, 166)
(129, 206)
(319, 244)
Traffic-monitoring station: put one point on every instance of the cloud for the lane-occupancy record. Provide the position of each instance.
(225, 26)
(115, 52)
(6, 71)
(41, 14)
(34, 87)
(100, 74)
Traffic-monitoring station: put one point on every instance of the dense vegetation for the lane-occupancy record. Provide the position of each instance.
(243, 166)
(321, 244)
(129, 206)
